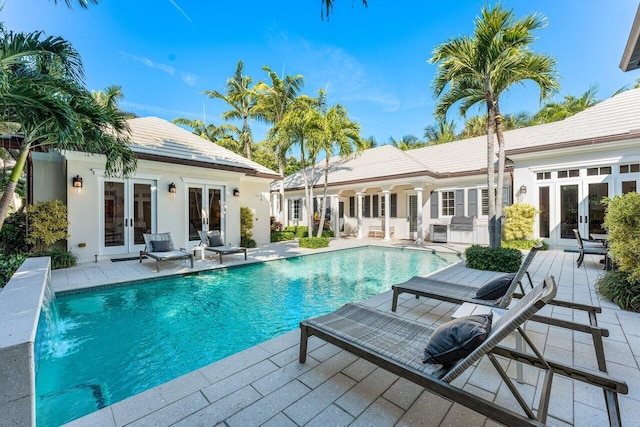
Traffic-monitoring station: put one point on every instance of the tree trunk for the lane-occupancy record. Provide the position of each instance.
(491, 194)
(247, 140)
(281, 189)
(10, 189)
(501, 162)
(324, 196)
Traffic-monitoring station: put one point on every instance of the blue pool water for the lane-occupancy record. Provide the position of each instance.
(110, 344)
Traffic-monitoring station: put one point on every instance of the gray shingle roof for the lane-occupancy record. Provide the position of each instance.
(157, 137)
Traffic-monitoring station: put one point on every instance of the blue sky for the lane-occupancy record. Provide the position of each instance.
(164, 53)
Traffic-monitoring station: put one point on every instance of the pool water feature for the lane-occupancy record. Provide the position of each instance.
(112, 343)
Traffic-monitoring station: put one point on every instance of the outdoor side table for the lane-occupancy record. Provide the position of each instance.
(198, 251)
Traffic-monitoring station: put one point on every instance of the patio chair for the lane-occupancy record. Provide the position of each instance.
(160, 247)
(212, 241)
(397, 345)
(590, 249)
(459, 294)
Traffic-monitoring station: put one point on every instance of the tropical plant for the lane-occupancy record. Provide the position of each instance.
(47, 224)
(617, 287)
(622, 221)
(570, 105)
(407, 142)
(242, 100)
(520, 219)
(110, 97)
(246, 227)
(314, 242)
(493, 259)
(226, 135)
(441, 132)
(369, 143)
(479, 69)
(42, 94)
(326, 7)
(13, 236)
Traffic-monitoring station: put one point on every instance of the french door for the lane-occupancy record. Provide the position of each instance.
(580, 207)
(128, 211)
(412, 218)
(204, 210)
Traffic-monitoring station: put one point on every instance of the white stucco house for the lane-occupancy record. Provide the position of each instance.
(563, 168)
(182, 184)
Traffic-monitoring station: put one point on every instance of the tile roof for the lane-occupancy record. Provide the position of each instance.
(153, 136)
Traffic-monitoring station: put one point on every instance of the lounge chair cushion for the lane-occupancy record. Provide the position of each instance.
(161, 245)
(496, 288)
(457, 338)
(215, 240)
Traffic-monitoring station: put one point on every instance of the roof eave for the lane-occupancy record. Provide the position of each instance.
(631, 55)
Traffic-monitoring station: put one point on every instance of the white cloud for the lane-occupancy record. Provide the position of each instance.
(189, 79)
(134, 106)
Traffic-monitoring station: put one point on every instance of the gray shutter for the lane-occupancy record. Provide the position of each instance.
(506, 196)
(473, 202)
(459, 203)
(434, 204)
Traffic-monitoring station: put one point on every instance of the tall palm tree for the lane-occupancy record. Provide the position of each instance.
(42, 94)
(83, 3)
(242, 100)
(327, 7)
(479, 69)
(272, 105)
(343, 136)
(369, 143)
(407, 142)
(443, 131)
(226, 135)
(570, 105)
(110, 97)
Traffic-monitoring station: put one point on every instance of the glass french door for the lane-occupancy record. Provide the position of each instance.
(580, 207)
(412, 218)
(128, 211)
(204, 211)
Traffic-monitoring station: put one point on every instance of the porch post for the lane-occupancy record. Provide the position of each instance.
(359, 215)
(335, 212)
(387, 214)
(420, 237)
(285, 212)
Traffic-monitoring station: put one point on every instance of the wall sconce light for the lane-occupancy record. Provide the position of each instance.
(236, 192)
(523, 189)
(77, 181)
(172, 188)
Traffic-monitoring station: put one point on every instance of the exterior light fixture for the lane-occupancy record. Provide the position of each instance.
(172, 188)
(236, 192)
(523, 189)
(77, 181)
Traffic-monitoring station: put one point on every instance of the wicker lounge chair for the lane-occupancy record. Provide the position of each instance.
(590, 249)
(458, 294)
(397, 345)
(221, 249)
(166, 253)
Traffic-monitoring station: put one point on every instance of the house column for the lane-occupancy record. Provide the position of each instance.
(359, 195)
(387, 214)
(285, 212)
(420, 237)
(335, 215)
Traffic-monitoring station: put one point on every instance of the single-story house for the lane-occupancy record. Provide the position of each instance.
(563, 168)
(182, 184)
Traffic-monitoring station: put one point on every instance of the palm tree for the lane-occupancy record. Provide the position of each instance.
(272, 105)
(226, 135)
(440, 133)
(328, 7)
(369, 143)
(242, 101)
(83, 3)
(407, 142)
(474, 126)
(43, 96)
(479, 69)
(570, 105)
(110, 97)
(342, 135)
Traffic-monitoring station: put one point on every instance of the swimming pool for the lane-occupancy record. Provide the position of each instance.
(112, 343)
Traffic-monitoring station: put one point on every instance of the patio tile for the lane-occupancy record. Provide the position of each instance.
(403, 393)
(326, 370)
(458, 416)
(170, 414)
(589, 417)
(228, 385)
(101, 418)
(280, 420)
(332, 416)
(618, 352)
(428, 410)
(280, 377)
(380, 414)
(287, 356)
(325, 352)
(232, 364)
(319, 399)
(137, 406)
(182, 386)
(222, 409)
(356, 400)
(281, 342)
(359, 369)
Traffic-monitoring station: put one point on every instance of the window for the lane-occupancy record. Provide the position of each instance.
(352, 207)
(630, 168)
(485, 202)
(571, 173)
(448, 203)
(295, 212)
(382, 206)
(374, 211)
(543, 175)
(628, 187)
(544, 211)
(366, 206)
(394, 206)
(599, 171)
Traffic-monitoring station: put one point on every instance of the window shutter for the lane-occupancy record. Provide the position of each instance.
(506, 196)
(473, 202)
(459, 203)
(394, 205)
(434, 204)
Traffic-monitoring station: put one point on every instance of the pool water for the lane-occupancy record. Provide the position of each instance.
(112, 343)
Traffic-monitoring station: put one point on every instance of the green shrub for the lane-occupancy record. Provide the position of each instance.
(246, 224)
(275, 224)
(523, 244)
(622, 220)
(8, 265)
(314, 242)
(498, 259)
(616, 287)
(281, 236)
(13, 236)
(327, 233)
(47, 224)
(520, 218)
(298, 231)
(248, 242)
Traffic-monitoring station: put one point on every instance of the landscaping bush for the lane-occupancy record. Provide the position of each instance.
(281, 236)
(275, 224)
(47, 224)
(622, 220)
(523, 244)
(60, 257)
(520, 218)
(13, 236)
(314, 242)
(300, 231)
(248, 242)
(499, 259)
(246, 225)
(9, 263)
(616, 287)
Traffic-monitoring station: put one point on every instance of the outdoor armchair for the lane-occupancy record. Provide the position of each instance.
(160, 247)
(587, 249)
(212, 241)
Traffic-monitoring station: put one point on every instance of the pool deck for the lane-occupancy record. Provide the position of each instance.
(266, 385)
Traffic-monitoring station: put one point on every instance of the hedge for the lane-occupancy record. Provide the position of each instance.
(499, 259)
(314, 242)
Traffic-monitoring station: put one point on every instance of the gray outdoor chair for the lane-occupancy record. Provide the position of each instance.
(458, 294)
(592, 247)
(397, 345)
(212, 241)
(160, 248)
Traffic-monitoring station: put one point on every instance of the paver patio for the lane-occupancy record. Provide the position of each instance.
(266, 385)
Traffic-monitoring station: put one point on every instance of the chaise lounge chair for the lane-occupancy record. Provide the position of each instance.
(212, 241)
(590, 249)
(160, 247)
(459, 294)
(397, 345)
